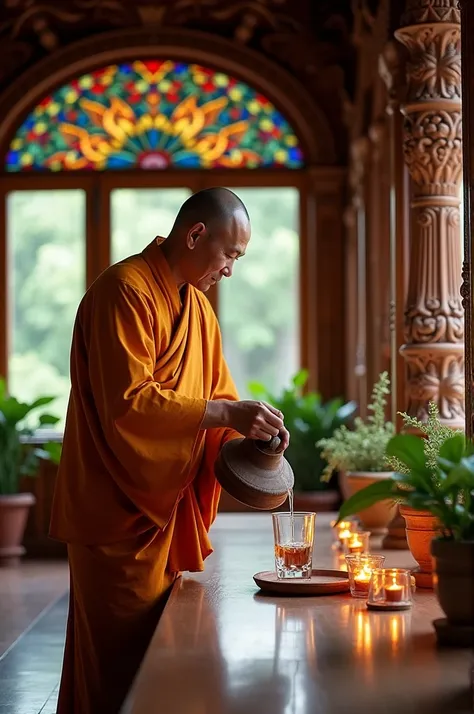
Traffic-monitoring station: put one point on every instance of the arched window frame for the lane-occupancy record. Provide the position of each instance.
(320, 182)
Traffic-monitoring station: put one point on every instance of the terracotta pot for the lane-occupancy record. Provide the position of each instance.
(421, 527)
(453, 579)
(376, 518)
(14, 510)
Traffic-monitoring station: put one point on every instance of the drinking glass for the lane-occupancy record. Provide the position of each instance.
(294, 540)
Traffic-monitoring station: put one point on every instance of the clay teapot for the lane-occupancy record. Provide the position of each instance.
(253, 473)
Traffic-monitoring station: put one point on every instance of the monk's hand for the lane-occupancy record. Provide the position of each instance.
(255, 420)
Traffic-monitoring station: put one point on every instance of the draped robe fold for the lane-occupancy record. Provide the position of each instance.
(136, 492)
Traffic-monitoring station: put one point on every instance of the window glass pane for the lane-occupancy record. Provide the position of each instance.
(46, 252)
(153, 114)
(259, 305)
(140, 214)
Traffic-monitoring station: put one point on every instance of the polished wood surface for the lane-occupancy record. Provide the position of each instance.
(221, 647)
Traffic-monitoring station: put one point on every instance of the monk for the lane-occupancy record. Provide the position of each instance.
(151, 404)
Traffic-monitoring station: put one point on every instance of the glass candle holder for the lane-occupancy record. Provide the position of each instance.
(294, 538)
(390, 589)
(342, 531)
(357, 542)
(360, 567)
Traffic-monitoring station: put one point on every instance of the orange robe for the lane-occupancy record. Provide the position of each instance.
(136, 492)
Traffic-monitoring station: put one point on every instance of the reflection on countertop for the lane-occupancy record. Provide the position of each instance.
(222, 647)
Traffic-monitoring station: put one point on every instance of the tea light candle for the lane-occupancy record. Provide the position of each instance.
(360, 567)
(355, 544)
(393, 593)
(390, 589)
(344, 536)
(362, 578)
(342, 531)
(358, 542)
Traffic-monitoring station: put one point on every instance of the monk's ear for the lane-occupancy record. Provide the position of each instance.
(194, 233)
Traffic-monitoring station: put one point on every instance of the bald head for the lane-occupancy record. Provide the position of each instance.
(211, 232)
(213, 206)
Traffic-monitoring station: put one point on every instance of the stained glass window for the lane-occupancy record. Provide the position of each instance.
(154, 115)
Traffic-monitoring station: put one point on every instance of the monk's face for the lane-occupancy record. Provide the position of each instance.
(215, 250)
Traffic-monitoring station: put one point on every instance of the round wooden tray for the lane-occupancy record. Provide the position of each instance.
(322, 582)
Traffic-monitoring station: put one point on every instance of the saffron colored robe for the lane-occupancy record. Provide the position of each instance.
(136, 492)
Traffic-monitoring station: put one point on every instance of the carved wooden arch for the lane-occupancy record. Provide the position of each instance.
(286, 92)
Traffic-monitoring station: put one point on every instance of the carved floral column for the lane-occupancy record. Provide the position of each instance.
(434, 322)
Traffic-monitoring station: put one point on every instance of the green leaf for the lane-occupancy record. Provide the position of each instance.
(48, 419)
(52, 451)
(41, 402)
(366, 497)
(14, 411)
(460, 475)
(257, 390)
(409, 450)
(419, 500)
(300, 378)
(452, 450)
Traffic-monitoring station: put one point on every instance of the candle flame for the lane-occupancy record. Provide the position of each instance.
(365, 573)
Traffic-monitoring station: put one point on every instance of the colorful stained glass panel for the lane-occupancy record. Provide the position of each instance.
(154, 115)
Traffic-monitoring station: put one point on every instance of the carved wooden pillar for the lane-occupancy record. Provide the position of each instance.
(434, 321)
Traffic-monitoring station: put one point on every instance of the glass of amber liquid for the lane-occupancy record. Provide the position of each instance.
(294, 540)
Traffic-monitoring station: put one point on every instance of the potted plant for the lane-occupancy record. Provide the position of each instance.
(308, 419)
(446, 491)
(359, 455)
(18, 457)
(421, 525)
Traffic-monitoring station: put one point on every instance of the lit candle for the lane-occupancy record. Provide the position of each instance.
(393, 592)
(355, 544)
(343, 529)
(344, 535)
(362, 578)
(344, 525)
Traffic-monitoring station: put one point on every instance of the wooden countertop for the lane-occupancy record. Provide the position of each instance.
(222, 648)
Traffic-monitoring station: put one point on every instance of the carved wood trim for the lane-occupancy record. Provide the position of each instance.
(272, 80)
(434, 320)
